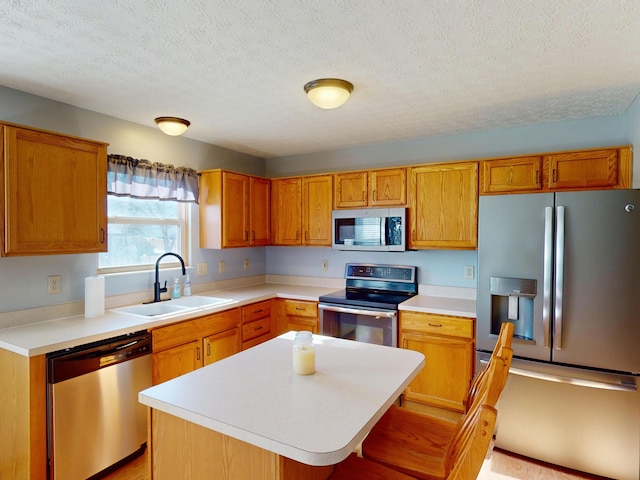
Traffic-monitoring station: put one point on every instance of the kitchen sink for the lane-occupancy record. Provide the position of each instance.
(173, 307)
(199, 301)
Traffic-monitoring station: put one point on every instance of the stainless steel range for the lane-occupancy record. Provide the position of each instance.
(367, 309)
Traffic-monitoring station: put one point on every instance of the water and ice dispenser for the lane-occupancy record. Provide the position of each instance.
(512, 301)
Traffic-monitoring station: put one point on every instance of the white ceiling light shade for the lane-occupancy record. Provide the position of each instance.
(328, 93)
(173, 126)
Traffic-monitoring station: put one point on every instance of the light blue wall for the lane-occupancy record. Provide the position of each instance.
(23, 281)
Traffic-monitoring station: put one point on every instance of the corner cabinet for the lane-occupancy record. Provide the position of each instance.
(449, 348)
(443, 206)
(301, 210)
(234, 210)
(374, 188)
(54, 193)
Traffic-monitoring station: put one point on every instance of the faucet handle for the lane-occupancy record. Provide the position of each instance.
(164, 289)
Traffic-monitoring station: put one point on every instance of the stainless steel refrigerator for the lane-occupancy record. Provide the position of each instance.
(565, 269)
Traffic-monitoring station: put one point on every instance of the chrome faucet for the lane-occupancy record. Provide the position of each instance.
(157, 289)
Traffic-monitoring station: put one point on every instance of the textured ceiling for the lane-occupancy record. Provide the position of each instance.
(236, 68)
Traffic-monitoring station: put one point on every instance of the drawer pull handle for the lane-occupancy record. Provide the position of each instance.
(435, 324)
(258, 311)
(299, 308)
(258, 328)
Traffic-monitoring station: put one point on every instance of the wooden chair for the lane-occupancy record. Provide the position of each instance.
(426, 447)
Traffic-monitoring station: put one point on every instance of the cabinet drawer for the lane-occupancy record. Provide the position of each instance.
(299, 308)
(256, 328)
(182, 332)
(256, 311)
(436, 324)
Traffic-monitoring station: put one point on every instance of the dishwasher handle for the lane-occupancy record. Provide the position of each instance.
(67, 364)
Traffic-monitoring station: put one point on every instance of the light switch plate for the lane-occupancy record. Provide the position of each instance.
(469, 272)
(202, 268)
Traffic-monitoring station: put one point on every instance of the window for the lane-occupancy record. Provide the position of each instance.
(140, 230)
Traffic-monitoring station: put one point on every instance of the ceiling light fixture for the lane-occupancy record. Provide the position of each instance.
(173, 126)
(328, 92)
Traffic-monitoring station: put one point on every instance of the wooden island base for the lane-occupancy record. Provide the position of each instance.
(181, 449)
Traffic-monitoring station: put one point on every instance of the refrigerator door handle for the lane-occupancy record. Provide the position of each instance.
(547, 275)
(557, 330)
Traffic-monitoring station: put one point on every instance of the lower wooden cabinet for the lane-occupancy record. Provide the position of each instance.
(185, 346)
(256, 324)
(449, 348)
(297, 315)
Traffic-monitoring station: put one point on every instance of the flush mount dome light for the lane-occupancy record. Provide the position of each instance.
(328, 92)
(172, 125)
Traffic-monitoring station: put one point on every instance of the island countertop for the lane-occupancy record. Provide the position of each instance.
(318, 419)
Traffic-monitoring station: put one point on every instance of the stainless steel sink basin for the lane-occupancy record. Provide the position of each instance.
(199, 301)
(173, 307)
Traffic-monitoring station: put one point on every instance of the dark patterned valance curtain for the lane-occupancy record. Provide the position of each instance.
(130, 177)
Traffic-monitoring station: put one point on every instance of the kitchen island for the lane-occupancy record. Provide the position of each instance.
(250, 416)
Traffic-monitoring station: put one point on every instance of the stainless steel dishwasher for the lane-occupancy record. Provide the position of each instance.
(94, 420)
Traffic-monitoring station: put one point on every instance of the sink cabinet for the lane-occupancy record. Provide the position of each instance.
(54, 193)
(185, 346)
(448, 345)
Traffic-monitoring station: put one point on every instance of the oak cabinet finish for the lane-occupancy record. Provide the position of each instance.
(256, 323)
(374, 188)
(443, 206)
(301, 211)
(234, 210)
(54, 193)
(593, 169)
(185, 346)
(449, 348)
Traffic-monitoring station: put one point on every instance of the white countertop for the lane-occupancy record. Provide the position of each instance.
(49, 336)
(318, 419)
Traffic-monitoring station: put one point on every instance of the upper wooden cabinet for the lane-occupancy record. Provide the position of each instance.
(443, 206)
(579, 170)
(234, 210)
(301, 210)
(374, 188)
(54, 193)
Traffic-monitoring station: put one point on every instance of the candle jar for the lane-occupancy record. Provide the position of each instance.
(304, 354)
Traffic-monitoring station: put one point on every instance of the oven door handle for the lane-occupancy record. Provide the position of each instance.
(357, 311)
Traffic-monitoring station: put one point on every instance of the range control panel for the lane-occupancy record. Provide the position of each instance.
(396, 273)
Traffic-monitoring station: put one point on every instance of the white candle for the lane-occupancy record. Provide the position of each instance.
(304, 359)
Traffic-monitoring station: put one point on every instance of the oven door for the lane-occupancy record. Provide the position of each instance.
(376, 326)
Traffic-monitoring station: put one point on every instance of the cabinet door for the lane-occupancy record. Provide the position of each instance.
(235, 210)
(176, 361)
(55, 193)
(587, 169)
(446, 376)
(259, 211)
(512, 175)
(444, 206)
(221, 345)
(350, 190)
(388, 187)
(316, 210)
(286, 213)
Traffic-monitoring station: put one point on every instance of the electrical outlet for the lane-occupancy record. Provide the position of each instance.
(469, 272)
(54, 284)
(203, 268)
(222, 266)
(325, 265)
(246, 264)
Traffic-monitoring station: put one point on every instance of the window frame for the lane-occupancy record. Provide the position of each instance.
(183, 222)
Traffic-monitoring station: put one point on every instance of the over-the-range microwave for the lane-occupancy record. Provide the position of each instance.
(377, 229)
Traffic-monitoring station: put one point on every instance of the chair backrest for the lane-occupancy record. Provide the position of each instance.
(504, 340)
(471, 444)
